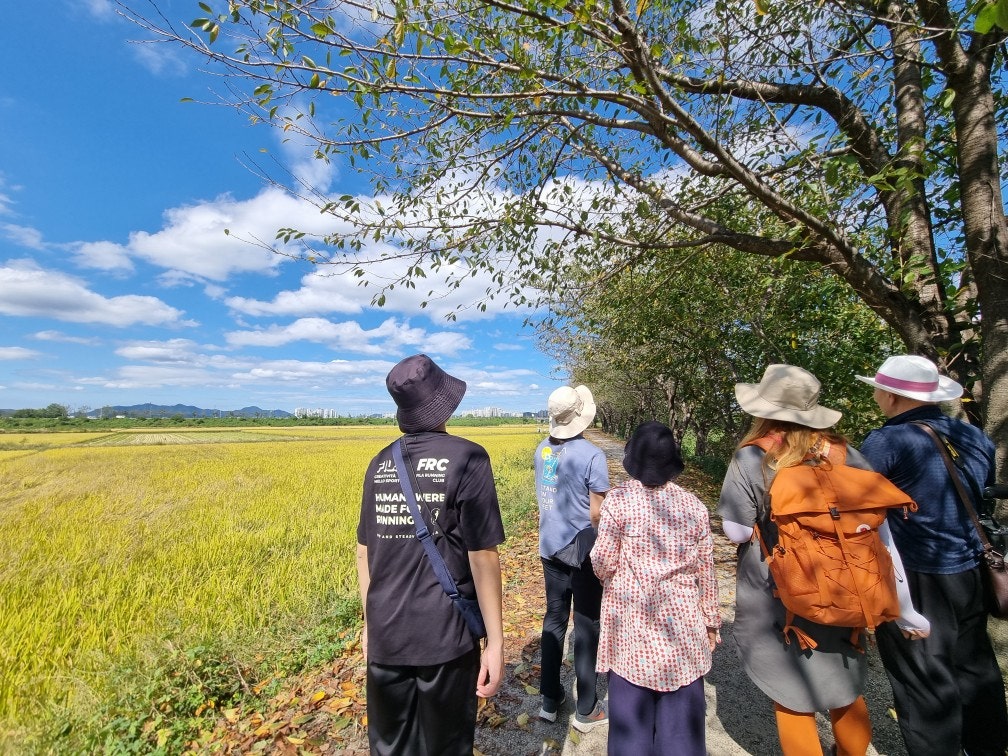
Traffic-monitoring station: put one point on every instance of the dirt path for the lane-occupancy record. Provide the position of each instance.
(323, 712)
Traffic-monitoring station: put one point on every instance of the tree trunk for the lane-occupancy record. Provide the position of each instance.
(986, 237)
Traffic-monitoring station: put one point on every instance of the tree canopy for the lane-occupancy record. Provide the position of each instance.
(527, 138)
(669, 341)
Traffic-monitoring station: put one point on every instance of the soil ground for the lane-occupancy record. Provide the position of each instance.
(323, 712)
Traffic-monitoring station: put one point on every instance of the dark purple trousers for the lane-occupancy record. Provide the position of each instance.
(646, 722)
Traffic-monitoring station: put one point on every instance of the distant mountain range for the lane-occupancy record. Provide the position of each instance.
(185, 410)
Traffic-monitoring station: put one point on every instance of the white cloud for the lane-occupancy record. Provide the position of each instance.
(341, 373)
(306, 170)
(178, 365)
(102, 10)
(24, 236)
(318, 295)
(102, 255)
(173, 351)
(18, 353)
(389, 336)
(208, 242)
(57, 336)
(196, 238)
(31, 292)
(325, 290)
(6, 201)
(160, 57)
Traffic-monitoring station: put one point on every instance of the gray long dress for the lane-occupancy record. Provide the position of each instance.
(828, 677)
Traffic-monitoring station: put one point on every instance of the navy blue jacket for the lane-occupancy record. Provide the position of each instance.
(939, 538)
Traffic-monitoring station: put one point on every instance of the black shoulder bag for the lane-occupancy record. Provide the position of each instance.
(468, 608)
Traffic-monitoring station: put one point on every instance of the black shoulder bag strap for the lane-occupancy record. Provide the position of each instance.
(943, 449)
(422, 533)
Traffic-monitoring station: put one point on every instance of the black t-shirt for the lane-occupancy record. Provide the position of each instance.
(410, 619)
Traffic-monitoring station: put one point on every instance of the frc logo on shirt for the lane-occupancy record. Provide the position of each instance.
(430, 463)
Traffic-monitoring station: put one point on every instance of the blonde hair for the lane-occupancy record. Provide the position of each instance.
(794, 442)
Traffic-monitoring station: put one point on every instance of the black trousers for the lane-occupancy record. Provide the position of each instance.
(566, 585)
(947, 689)
(423, 711)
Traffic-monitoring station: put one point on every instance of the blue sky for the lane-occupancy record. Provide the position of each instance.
(118, 284)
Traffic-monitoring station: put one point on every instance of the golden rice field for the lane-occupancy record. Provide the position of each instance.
(111, 542)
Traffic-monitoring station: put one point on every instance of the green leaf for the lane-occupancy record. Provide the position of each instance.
(992, 15)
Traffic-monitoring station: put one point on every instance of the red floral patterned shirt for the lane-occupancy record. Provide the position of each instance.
(654, 556)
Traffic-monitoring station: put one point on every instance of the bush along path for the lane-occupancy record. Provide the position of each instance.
(323, 711)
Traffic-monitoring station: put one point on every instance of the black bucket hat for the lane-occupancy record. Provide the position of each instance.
(652, 455)
(426, 396)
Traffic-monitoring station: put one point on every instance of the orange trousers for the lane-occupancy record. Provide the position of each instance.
(799, 736)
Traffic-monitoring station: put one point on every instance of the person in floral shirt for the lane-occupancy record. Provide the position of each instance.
(660, 618)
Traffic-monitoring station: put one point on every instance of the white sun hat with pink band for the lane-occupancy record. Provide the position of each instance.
(914, 377)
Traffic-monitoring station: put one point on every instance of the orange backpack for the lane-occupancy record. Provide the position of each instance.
(829, 564)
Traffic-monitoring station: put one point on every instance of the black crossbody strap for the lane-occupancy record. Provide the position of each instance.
(422, 533)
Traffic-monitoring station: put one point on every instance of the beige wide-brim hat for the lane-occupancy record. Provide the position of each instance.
(914, 377)
(571, 410)
(788, 393)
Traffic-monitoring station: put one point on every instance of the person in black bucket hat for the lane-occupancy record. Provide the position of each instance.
(652, 456)
(660, 617)
(425, 667)
(425, 395)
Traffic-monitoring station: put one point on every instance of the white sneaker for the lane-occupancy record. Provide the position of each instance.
(550, 707)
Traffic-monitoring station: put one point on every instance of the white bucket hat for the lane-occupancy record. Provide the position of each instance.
(786, 393)
(914, 377)
(571, 410)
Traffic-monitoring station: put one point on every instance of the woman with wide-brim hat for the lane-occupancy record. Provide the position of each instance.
(788, 419)
(660, 616)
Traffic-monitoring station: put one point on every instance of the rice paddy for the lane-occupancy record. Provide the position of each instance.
(112, 542)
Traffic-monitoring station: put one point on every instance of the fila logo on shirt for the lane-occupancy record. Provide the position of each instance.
(431, 463)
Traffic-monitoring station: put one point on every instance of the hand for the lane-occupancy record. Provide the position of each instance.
(913, 625)
(491, 670)
(713, 637)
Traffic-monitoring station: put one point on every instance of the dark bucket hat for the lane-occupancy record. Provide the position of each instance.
(652, 455)
(426, 396)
